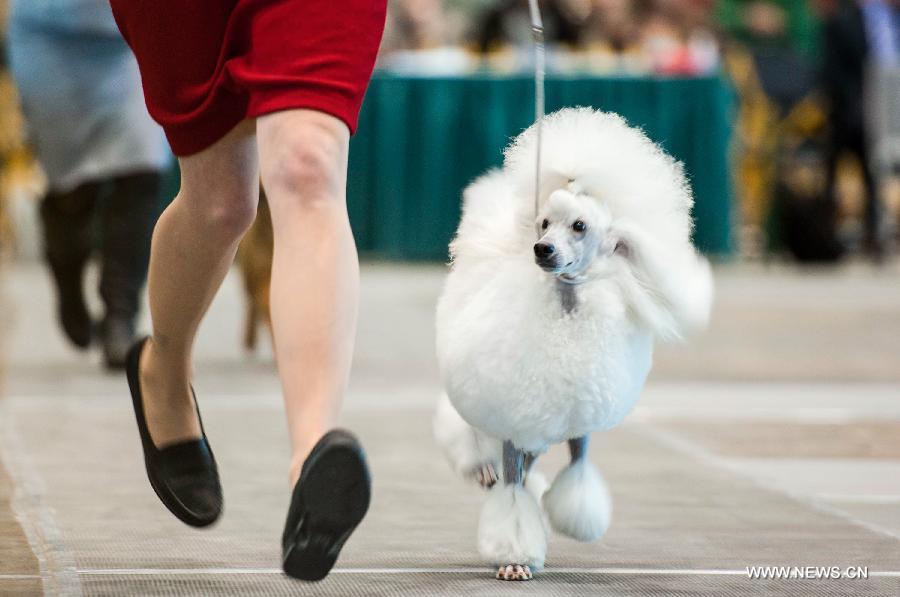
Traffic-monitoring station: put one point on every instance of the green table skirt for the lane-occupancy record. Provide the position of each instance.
(422, 140)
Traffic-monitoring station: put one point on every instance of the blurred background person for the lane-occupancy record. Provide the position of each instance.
(423, 37)
(610, 36)
(102, 154)
(780, 146)
(883, 106)
(679, 37)
(417, 25)
(501, 31)
(845, 56)
(644, 37)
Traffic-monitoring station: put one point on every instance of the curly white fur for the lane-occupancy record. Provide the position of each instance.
(520, 364)
(511, 528)
(578, 503)
(536, 483)
(514, 363)
(467, 449)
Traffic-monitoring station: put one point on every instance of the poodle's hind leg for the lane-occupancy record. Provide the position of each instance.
(486, 476)
(578, 448)
(535, 481)
(578, 503)
(511, 530)
(471, 453)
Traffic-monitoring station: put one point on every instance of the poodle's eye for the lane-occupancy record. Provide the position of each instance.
(579, 226)
(544, 224)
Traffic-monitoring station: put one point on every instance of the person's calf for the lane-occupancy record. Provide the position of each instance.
(168, 400)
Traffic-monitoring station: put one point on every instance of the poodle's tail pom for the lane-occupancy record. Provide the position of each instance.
(690, 295)
(536, 483)
(511, 528)
(699, 297)
(578, 503)
(465, 447)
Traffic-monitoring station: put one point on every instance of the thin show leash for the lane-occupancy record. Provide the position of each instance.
(513, 459)
(537, 34)
(540, 66)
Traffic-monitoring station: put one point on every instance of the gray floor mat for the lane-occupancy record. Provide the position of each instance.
(671, 513)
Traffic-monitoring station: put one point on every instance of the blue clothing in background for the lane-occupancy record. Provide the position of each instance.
(81, 93)
(882, 22)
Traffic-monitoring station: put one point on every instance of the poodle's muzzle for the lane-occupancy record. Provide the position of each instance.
(546, 256)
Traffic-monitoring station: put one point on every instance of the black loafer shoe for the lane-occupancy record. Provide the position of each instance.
(183, 475)
(328, 502)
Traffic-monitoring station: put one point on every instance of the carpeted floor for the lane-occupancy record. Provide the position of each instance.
(719, 469)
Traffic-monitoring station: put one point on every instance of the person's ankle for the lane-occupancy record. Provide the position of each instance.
(168, 402)
(300, 454)
(294, 473)
(171, 379)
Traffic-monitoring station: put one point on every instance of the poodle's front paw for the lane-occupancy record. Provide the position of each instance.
(486, 475)
(511, 528)
(514, 572)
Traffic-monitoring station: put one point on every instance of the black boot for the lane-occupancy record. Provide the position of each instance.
(68, 242)
(129, 215)
(118, 337)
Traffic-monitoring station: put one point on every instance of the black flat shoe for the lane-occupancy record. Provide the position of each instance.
(183, 475)
(328, 502)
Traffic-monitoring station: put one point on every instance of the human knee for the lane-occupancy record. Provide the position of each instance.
(305, 168)
(228, 213)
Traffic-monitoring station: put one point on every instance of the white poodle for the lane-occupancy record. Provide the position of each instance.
(545, 327)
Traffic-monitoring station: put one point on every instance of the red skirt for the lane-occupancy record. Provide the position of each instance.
(208, 64)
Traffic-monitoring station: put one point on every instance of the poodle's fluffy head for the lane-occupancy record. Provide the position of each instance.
(573, 231)
(613, 218)
(602, 157)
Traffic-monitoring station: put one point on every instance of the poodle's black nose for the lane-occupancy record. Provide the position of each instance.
(543, 250)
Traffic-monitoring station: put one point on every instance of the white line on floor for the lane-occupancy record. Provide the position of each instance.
(486, 570)
(58, 573)
(853, 498)
(19, 576)
(685, 446)
(799, 415)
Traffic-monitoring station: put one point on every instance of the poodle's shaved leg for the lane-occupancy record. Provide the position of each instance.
(514, 466)
(578, 448)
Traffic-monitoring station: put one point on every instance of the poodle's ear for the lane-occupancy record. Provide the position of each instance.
(671, 290)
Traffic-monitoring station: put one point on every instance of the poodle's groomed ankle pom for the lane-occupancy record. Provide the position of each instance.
(511, 528)
(578, 503)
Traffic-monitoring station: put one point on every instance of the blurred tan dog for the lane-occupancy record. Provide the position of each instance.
(254, 259)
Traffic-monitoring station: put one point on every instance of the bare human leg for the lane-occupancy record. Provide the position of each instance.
(193, 246)
(315, 272)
